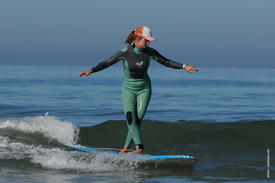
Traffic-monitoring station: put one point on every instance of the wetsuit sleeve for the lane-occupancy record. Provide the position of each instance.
(155, 55)
(107, 63)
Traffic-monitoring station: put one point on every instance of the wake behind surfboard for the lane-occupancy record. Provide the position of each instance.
(183, 160)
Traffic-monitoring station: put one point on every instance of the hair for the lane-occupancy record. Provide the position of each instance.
(132, 37)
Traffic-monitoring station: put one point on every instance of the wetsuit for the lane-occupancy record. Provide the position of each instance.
(136, 90)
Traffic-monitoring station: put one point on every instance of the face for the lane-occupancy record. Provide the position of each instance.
(142, 43)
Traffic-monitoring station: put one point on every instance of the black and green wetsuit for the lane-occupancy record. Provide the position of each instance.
(136, 90)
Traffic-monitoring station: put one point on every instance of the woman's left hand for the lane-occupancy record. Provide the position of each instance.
(191, 68)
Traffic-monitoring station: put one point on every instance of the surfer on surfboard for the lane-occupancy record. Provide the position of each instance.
(136, 90)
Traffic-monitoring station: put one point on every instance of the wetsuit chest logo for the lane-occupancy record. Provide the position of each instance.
(139, 63)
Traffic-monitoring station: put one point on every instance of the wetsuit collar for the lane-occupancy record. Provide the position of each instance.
(138, 50)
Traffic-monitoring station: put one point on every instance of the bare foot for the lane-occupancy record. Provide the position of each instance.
(124, 150)
(137, 151)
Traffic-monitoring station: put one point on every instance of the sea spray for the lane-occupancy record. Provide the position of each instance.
(19, 142)
(49, 126)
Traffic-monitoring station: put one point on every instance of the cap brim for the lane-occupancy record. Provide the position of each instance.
(150, 38)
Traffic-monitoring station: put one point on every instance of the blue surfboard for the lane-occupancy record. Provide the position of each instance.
(177, 159)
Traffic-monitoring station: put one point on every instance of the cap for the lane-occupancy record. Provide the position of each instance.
(145, 32)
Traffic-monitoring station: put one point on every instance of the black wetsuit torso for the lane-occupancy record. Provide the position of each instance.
(138, 61)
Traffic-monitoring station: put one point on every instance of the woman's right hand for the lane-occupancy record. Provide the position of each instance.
(87, 73)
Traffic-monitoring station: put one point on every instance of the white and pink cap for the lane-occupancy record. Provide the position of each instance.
(145, 32)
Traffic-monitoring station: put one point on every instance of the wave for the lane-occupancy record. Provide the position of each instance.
(42, 141)
(47, 126)
(245, 134)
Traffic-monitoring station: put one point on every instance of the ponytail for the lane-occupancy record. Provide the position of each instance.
(130, 38)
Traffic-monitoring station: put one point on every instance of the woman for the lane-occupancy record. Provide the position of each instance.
(136, 90)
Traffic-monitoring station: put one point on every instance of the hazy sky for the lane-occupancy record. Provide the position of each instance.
(206, 33)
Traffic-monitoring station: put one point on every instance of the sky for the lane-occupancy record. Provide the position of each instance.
(205, 33)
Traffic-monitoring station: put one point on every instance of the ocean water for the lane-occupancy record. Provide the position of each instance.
(224, 117)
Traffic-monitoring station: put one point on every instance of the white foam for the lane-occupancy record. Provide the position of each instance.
(85, 162)
(59, 159)
(50, 126)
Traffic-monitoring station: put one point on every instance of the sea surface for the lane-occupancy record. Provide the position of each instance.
(223, 117)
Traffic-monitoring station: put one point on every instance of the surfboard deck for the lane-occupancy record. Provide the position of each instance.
(169, 159)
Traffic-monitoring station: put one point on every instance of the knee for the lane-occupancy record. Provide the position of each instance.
(129, 117)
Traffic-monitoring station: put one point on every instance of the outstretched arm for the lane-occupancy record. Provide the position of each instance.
(169, 63)
(103, 65)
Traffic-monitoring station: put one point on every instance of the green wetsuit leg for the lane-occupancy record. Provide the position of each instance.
(143, 100)
(135, 105)
(129, 105)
